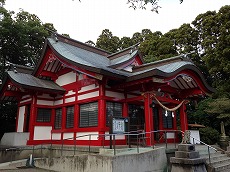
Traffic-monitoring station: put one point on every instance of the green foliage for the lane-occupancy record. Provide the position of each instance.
(214, 36)
(141, 4)
(209, 135)
(221, 108)
(200, 116)
(7, 117)
(21, 40)
(107, 41)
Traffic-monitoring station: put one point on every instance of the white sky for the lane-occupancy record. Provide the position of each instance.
(85, 20)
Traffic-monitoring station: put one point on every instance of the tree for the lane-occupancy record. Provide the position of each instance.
(21, 40)
(125, 42)
(22, 37)
(221, 109)
(214, 36)
(155, 46)
(108, 42)
(143, 3)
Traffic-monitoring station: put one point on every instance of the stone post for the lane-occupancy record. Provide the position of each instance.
(223, 138)
(187, 160)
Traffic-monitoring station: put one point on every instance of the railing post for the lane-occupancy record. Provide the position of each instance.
(103, 140)
(33, 150)
(89, 142)
(74, 151)
(137, 144)
(62, 147)
(166, 142)
(129, 140)
(209, 155)
(114, 144)
(152, 132)
(11, 157)
(175, 138)
(51, 150)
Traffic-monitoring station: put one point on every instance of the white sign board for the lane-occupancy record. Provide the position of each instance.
(118, 125)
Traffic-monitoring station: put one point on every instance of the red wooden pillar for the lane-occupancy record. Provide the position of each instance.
(160, 118)
(33, 113)
(101, 111)
(183, 118)
(76, 111)
(125, 110)
(174, 120)
(63, 124)
(161, 127)
(148, 119)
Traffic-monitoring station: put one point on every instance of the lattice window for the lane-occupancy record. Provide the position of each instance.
(113, 109)
(43, 115)
(70, 117)
(58, 118)
(167, 119)
(89, 115)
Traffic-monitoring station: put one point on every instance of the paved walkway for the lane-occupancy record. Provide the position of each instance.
(24, 170)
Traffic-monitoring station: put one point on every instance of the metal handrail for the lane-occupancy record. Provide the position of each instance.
(209, 154)
(131, 133)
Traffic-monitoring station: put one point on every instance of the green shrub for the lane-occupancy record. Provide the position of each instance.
(209, 135)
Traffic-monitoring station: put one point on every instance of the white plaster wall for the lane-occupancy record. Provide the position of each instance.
(170, 135)
(42, 132)
(45, 96)
(130, 96)
(80, 76)
(128, 68)
(45, 102)
(117, 137)
(56, 136)
(114, 94)
(21, 118)
(66, 78)
(58, 102)
(89, 95)
(93, 137)
(68, 135)
(71, 99)
(195, 134)
(87, 88)
(26, 96)
(24, 101)
(71, 92)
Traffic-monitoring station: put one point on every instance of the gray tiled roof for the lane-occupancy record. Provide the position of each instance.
(29, 81)
(84, 57)
(123, 58)
(79, 55)
(166, 68)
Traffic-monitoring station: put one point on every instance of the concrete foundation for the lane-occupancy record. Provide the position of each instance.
(153, 160)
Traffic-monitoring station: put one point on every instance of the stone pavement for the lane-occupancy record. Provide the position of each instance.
(24, 170)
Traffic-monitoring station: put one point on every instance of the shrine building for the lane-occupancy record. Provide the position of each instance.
(75, 88)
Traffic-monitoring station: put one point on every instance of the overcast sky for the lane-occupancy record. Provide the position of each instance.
(85, 20)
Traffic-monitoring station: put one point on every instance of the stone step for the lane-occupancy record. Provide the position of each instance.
(224, 167)
(215, 157)
(218, 162)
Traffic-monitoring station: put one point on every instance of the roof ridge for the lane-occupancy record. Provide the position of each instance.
(122, 51)
(80, 44)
